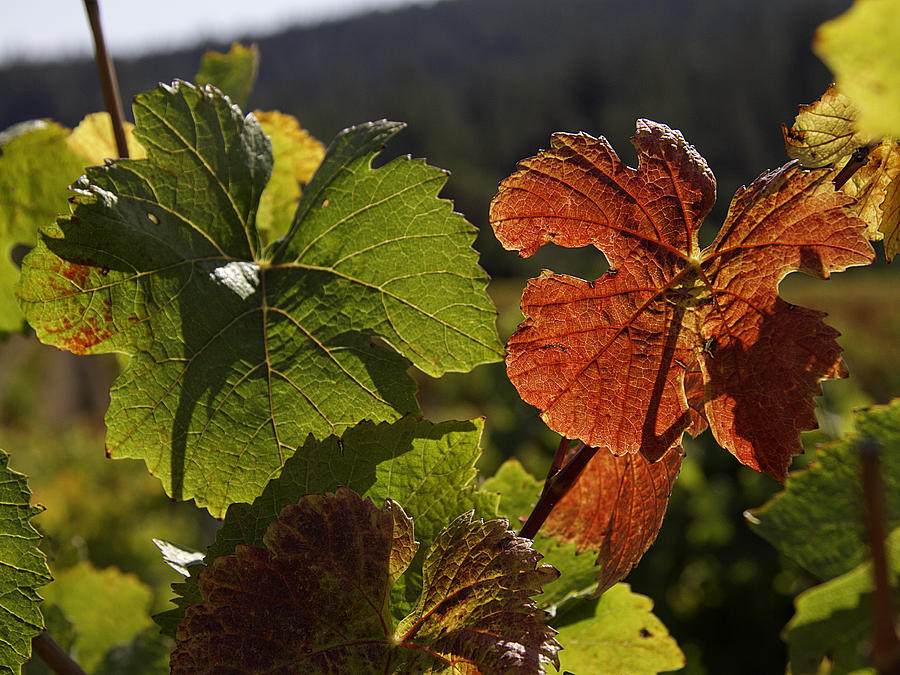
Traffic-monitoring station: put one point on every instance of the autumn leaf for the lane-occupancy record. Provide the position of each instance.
(240, 349)
(608, 361)
(426, 468)
(39, 159)
(616, 508)
(826, 133)
(316, 599)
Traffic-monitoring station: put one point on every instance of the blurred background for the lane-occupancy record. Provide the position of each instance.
(482, 84)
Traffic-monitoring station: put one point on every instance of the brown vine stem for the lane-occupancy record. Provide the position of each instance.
(858, 159)
(54, 656)
(559, 482)
(885, 645)
(107, 73)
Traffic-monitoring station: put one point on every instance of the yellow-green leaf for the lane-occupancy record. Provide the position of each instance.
(619, 634)
(824, 132)
(827, 133)
(296, 157)
(860, 47)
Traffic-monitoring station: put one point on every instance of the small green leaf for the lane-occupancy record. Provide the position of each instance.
(316, 599)
(860, 47)
(233, 73)
(817, 520)
(618, 631)
(107, 607)
(426, 468)
(835, 619)
(241, 350)
(23, 568)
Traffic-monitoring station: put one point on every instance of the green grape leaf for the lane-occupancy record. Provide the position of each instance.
(316, 599)
(108, 607)
(519, 492)
(23, 568)
(38, 160)
(817, 520)
(860, 48)
(618, 631)
(426, 468)
(233, 73)
(297, 155)
(834, 619)
(239, 350)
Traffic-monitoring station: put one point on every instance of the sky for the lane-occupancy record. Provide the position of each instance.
(51, 29)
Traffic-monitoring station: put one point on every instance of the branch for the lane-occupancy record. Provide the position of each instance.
(885, 647)
(108, 81)
(558, 483)
(54, 656)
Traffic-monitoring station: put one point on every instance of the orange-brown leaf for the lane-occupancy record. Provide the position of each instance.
(616, 508)
(615, 362)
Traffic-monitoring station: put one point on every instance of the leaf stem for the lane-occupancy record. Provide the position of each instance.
(56, 658)
(858, 159)
(886, 646)
(108, 81)
(558, 483)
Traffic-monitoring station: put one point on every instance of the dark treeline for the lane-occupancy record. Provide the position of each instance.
(483, 83)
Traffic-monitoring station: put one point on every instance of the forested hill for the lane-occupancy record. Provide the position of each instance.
(483, 83)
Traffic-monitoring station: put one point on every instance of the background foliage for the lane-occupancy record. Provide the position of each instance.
(480, 93)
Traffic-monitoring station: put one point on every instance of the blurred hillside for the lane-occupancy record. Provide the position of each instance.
(483, 83)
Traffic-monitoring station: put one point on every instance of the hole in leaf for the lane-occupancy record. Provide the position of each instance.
(585, 263)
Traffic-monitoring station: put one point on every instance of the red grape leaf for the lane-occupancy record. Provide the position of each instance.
(616, 507)
(316, 600)
(608, 361)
